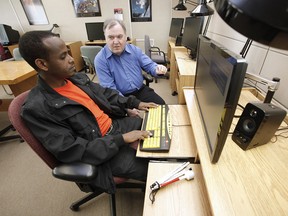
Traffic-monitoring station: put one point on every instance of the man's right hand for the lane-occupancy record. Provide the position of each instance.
(135, 135)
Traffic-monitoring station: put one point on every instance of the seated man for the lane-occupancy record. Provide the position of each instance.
(119, 65)
(78, 120)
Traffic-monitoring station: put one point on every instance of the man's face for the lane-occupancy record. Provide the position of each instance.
(59, 64)
(115, 39)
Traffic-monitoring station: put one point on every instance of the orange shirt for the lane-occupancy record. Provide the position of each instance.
(74, 93)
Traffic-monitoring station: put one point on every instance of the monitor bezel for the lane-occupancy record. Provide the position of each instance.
(188, 42)
(173, 21)
(100, 29)
(231, 100)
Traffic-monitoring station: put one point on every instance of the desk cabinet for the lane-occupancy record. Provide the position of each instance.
(185, 73)
(74, 48)
(171, 56)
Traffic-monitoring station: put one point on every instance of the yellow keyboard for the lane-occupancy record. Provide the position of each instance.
(158, 122)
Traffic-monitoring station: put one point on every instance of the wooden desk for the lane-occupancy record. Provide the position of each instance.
(182, 142)
(19, 76)
(183, 198)
(74, 48)
(185, 76)
(103, 42)
(171, 56)
(252, 182)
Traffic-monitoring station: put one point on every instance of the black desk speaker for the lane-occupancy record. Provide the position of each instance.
(257, 124)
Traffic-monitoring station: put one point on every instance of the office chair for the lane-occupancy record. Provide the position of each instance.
(80, 173)
(5, 130)
(156, 55)
(88, 54)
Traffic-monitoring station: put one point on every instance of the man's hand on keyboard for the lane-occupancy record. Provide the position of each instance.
(135, 135)
(133, 112)
(145, 106)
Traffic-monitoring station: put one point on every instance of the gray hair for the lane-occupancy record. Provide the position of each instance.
(110, 23)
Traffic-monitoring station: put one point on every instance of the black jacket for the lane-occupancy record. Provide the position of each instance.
(70, 131)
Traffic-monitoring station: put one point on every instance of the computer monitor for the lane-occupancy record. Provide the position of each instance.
(192, 28)
(218, 82)
(8, 35)
(176, 27)
(95, 31)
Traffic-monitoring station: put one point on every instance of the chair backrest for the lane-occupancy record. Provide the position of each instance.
(147, 45)
(14, 111)
(89, 52)
(16, 54)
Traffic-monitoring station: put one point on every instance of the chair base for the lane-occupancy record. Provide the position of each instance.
(76, 205)
(6, 138)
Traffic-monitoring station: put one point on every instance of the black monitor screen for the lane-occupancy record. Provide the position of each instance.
(95, 31)
(218, 83)
(192, 28)
(8, 35)
(176, 27)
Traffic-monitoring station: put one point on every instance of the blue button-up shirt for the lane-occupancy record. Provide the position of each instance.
(124, 72)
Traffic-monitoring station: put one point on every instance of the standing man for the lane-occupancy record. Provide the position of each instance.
(119, 65)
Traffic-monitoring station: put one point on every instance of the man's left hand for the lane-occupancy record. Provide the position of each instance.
(161, 70)
(145, 106)
(133, 112)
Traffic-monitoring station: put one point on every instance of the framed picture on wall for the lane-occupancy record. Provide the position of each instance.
(141, 10)
(87, 8)
(35, 12)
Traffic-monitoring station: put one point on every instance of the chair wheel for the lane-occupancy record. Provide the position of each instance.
(74, 208)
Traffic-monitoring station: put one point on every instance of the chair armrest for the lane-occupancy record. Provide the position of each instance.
(76, 172)
(155, 49)
(162, 54)
(147, 77)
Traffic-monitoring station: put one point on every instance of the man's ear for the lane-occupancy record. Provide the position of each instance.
(42, 64)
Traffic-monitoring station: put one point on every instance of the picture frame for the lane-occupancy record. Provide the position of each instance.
(35, 12)
(87, 8)
(141, 10)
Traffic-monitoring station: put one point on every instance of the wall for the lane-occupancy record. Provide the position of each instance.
(262, 60)
(72, 28)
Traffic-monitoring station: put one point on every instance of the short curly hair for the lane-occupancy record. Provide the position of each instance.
(31, 46)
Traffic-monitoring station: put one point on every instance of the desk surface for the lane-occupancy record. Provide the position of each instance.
(253, 182)
(179, 198)
(182, 141)
(186, 65)
(13, 72)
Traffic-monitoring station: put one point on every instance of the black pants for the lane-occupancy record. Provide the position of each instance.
(125, 163)
(147, 94)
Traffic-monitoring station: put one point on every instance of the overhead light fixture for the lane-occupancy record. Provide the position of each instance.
(202, 10)
(54, 26)
(262, 21)
(181, 7)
